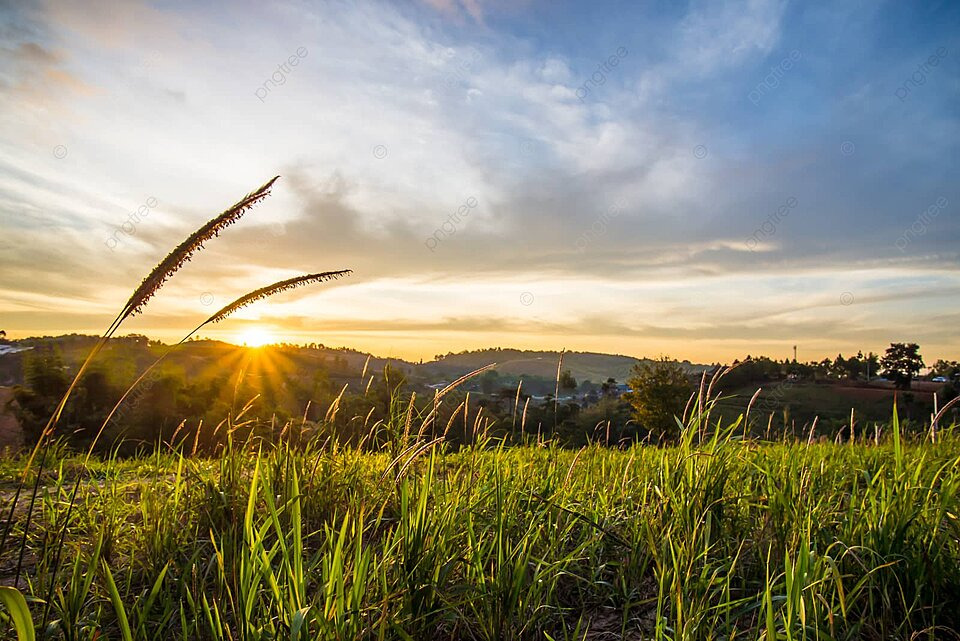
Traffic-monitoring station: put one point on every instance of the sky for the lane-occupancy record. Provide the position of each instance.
(703, 180)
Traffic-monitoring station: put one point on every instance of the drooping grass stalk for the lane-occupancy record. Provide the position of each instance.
(556, 392)
(135, 304)
(147, 289)
(220, 315)
(246, 299)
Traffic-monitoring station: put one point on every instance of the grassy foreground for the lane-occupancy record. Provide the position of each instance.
(718, 539)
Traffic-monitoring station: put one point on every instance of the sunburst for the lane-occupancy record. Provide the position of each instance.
(256, 337)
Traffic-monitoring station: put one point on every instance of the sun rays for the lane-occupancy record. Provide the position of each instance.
(256, 337)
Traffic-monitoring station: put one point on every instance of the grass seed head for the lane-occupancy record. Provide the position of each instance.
(276, 288)
(175, 259)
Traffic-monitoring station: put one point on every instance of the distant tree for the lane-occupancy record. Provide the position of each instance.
(850, 368)
(45, 381)
(901, 363)
(608, 386)
(659, 392)
(567, 381)
(488, 381)
(3, 335)
(871, 364)
(948, 369)
(838, 368)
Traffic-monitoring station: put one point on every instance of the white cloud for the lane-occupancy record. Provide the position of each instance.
(382, 130)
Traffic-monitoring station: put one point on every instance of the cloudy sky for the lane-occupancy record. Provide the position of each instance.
(702, 179)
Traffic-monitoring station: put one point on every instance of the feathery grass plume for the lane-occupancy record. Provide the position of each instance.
(276, 288)
(452, 386)
(746, 416)
(140, 296)
(185, 250)
(257, 294)
(936, 419)
(243, 301)
(516, 404)
(556, 394)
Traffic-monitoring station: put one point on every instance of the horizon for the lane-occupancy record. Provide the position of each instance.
(703, 180)
(251, 344)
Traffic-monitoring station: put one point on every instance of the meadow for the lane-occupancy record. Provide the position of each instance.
(282, 532)
(301, 538)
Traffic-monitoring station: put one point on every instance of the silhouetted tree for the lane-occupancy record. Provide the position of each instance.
(659, 392)
(901, 363)
(488, 381)
(567, 381)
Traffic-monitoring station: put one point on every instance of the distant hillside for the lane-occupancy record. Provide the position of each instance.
(590, 366)
(135, 353)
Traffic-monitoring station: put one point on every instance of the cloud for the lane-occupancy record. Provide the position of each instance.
(717, 34)
(398, 115)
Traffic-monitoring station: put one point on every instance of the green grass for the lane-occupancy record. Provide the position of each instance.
(708, 540)
(794, 405)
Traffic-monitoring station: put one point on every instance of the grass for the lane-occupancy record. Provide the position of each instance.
(701, 540)
(296, 536)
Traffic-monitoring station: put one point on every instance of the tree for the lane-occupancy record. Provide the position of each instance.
(872, 364)
(608, 387)
(45, 382)
(567, 381)
(901, 363)
(659, 392)
(488, 381)
(947, 369)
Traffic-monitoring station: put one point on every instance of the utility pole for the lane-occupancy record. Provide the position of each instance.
(794, 353)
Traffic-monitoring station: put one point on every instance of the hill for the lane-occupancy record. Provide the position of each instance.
(592, 366)
(196, 357)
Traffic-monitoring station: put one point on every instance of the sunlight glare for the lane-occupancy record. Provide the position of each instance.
(256, 337)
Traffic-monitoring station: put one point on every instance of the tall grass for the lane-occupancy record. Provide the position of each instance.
(136, 303)
(393, 533)
(713, 537)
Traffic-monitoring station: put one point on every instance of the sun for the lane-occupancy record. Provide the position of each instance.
(256, 337)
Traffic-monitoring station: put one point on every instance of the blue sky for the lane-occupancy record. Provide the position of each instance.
(749, 176)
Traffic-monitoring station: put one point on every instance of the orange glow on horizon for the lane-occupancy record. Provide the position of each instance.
(256, 337)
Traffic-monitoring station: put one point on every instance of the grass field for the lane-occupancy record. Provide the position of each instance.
(795, 405)
(280, 534)
(710, 538)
